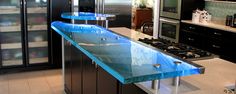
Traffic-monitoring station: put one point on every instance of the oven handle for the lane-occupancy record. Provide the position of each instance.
(170, 21)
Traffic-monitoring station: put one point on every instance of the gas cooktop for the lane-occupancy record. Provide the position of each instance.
(181, 50)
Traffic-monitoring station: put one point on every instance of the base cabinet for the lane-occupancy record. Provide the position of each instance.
(106, 83)
(130, 89)
(76, 71)
(83, 76)
(215, 41)
(67, 66)
(89, 76)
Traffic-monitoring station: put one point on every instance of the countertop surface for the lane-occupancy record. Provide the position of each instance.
(129, 33)
(127, 60)
(212, 25)
(219, 73)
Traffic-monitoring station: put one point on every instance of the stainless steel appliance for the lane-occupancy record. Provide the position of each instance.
(178, 49)
(120, 8)
(170, 13)
(171, 8)
(169, 29)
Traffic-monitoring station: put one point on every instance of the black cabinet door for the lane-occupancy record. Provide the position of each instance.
(106, 84)
(215, 46)
(192, 35)
(56, 9)
(76, 61)
(130, 89)
(188, 6)
(191, 38)
(218, 41)
(67, 55)
(89, 76)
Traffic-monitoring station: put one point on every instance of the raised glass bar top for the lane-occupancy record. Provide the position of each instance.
(87, 16)
(127, 60)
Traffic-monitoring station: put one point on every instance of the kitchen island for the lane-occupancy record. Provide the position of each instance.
(118, 62)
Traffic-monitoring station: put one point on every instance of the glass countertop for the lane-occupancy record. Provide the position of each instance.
(87, 16)
(127, 60)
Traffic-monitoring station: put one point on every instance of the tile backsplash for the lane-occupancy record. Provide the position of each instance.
(219, 10)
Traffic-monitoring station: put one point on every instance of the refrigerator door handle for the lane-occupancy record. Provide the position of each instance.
(97, 2)
(96, 5)
(103, 6)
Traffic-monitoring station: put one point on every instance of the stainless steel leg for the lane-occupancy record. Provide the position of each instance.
(174, 81)
(156, 85)
(177, 80)
(106, 24)
(86, 21)
(63, 63)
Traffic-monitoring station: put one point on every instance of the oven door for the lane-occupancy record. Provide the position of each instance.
(171, 8)
(169, 29)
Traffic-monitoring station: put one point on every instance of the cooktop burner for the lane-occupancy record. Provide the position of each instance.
(178, 49)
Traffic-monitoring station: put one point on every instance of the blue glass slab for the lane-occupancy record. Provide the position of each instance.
(127, 60)
(87, 16)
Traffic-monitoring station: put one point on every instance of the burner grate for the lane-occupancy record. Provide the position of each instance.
(178, 49)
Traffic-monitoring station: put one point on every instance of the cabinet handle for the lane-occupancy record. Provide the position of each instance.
(191, 39)
(219, 34)
(192, 28)
(215, 46)
(95, 64)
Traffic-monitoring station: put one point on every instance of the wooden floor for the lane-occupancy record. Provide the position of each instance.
(37, 82)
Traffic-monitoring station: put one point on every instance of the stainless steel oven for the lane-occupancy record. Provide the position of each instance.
(171, 8)
(169, 29)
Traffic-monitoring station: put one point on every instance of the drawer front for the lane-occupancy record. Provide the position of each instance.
(215, 46)
(229, 47)
(192, 28)
(191, 38)
(217, 34)
(220, 34)
(189, 27)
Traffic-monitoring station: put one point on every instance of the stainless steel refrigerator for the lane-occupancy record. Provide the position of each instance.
(121, 8)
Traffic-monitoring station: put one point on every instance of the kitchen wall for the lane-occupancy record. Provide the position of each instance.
(219, 10)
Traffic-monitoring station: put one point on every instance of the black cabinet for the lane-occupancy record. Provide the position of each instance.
(216, 41)
(107, 84)
(191, 35)
(89, 76)
(130, 89)
(83, 76)
(56, 9)
(188, 6)
(67, 66)
(76, 68)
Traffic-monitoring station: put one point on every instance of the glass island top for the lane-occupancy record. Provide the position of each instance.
(87, 16)
(127, 60)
